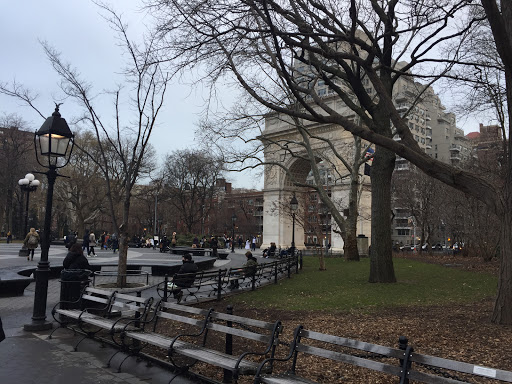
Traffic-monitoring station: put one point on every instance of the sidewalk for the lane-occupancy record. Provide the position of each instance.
(27, 358)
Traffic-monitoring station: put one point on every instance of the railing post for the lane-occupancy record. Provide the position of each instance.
(275, 272)
(402, 344)
(289, 266)
(253, 282)
(228, 375)
(166, 282)
(219, 285)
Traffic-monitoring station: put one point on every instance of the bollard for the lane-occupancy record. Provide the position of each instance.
(228, 375)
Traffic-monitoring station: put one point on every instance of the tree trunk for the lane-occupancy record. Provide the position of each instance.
(381, 260)
(350, 246)
(122, 259)
(502, 313)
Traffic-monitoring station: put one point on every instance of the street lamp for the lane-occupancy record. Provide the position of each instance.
(53, 143)
(28, 184)
(233, 221)
(294, 205)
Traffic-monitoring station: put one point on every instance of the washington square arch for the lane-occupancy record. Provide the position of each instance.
(288, 172)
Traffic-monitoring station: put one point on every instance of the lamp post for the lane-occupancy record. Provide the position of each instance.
(53, 142)
(28, 184)
(233, 221)
(294, 205)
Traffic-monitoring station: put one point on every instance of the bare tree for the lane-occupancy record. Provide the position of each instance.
(123, 146)
(190, 179)
(259, 42)
(16, 159)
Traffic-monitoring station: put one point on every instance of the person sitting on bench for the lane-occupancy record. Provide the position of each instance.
(248, 269)
(179, 282)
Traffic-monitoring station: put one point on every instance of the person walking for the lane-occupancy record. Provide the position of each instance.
(31, 242)
(103, 240)
(115, 242)
(92, 244)
(254, 243)
(85, 241)
(247, 244)
(9, 237)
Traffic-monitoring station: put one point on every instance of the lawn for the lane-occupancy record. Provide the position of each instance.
(344, 286)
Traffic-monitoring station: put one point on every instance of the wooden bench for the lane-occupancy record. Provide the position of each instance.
(344, 350)
(207, 330)
(101, 310)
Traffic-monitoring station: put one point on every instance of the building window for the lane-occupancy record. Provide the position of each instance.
(403, 232)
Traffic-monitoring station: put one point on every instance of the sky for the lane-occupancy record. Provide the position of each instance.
(77, 30)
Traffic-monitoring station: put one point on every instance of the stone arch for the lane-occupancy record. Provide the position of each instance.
(280, 187)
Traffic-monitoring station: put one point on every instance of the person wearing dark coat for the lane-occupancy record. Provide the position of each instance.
(188, 267)
(75, 258)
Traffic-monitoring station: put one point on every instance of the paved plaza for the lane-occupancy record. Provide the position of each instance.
(27, 357)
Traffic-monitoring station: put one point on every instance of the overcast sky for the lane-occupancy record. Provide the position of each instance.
(77, 30)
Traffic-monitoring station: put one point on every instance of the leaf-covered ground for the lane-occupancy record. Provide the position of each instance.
(459, 332)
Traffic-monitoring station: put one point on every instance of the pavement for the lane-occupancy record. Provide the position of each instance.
(29, 357)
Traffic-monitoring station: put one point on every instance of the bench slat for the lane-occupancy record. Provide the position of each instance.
(243, 320)
(356, 344)
(239, 332)
(96, 299)
(344, 358)
(181, 319)
(285, 379)
(136, 299)
(183, 308)
(216, 358)
(152, 338)
(99, 291)
(460, 366)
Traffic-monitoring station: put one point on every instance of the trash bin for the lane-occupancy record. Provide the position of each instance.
(72, 282)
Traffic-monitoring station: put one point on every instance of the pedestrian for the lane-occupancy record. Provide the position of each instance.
(214, 244)
(75, 258)
(247, 244)
(9, 237)
(189, 269)
(174, 240)
(115, 242)
(92, 244)
(254, 243)
(103, 240)
(85, 241)
(31, 242)
(70, 239)
(240, 242)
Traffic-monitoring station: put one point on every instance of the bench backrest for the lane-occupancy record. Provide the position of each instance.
(181, 313)
(317, 344)
(97, 296)
(251, 329)
(139, 305)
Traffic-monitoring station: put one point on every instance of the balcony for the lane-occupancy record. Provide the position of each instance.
(455, 157)
(428, 146)
(427, 117)
(455, 148)
(403, 107)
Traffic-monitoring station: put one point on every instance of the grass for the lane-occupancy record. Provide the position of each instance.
(344, 286)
